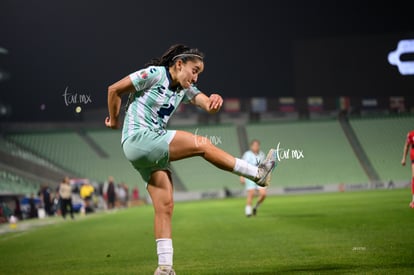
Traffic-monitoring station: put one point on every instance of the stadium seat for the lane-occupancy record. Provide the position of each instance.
(199, 175)
(383, 139)
(328, 157)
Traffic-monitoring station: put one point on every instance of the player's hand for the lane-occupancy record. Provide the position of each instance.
(403, 162)
(216, 101)
(242, 180)
(111, 123)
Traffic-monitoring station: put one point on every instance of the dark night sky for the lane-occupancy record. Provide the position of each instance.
(87, 45)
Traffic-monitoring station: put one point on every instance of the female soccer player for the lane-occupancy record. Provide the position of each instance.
(154, 94)
(409, 142)
(253, 156)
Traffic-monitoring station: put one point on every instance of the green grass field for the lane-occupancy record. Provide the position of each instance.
(370, 232)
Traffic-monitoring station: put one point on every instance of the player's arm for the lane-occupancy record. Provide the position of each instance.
(135, 82)
(210, 104)
(115, 92)
(406, 147)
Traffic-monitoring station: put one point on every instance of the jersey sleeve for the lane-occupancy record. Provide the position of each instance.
(190, 93)
(145, 78)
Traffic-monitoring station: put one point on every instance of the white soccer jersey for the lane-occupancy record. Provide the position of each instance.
(153, 103)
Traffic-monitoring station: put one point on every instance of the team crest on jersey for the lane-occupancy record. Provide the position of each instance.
(143, 74)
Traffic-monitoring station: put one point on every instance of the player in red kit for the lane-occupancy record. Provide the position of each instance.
(409, 142)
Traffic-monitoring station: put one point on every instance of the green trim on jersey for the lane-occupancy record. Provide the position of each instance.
(153, 103)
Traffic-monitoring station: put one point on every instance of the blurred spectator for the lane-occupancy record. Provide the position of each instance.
(111, 194)
(227, 192)
(32, 207)
(56, 201)
(2, 217)
(391, 184)
(101, 189)
(7, 212)
(135, 193)
(126, 188)
(86, 193)
(44, 193)
(17, 209)
(122, 195)
(65, 193)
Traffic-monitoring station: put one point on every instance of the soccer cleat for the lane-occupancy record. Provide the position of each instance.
(412, 204)
(164, 270)
(265, 169)
(254, 211)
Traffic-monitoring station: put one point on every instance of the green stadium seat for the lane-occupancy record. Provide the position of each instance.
(199, 175)
(13, 183)
(328, 157)
(70, 151)
(383, 139)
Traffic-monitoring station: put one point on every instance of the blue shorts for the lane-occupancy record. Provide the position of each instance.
(148, 151)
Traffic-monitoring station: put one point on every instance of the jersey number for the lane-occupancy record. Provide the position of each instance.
(165, 110)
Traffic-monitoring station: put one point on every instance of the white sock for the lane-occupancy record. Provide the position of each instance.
(243, 168)
(248, 210)
(165, 252)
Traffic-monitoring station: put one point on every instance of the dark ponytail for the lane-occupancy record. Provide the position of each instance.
(175, 52)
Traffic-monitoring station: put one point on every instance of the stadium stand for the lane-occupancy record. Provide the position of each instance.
(97, 154)
(328, 157)
(197, 174)
(14, 150)
(12, 183)
(63, 148)
(115, 164)
(69, 150)
(382, 139)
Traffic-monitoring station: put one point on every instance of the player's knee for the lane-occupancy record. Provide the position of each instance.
(204, 144)
(166, 207)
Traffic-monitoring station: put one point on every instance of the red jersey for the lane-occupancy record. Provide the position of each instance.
(410, 140)
(410, 137)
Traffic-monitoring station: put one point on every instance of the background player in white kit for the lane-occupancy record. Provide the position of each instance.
(253, 156)
(155, 92)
